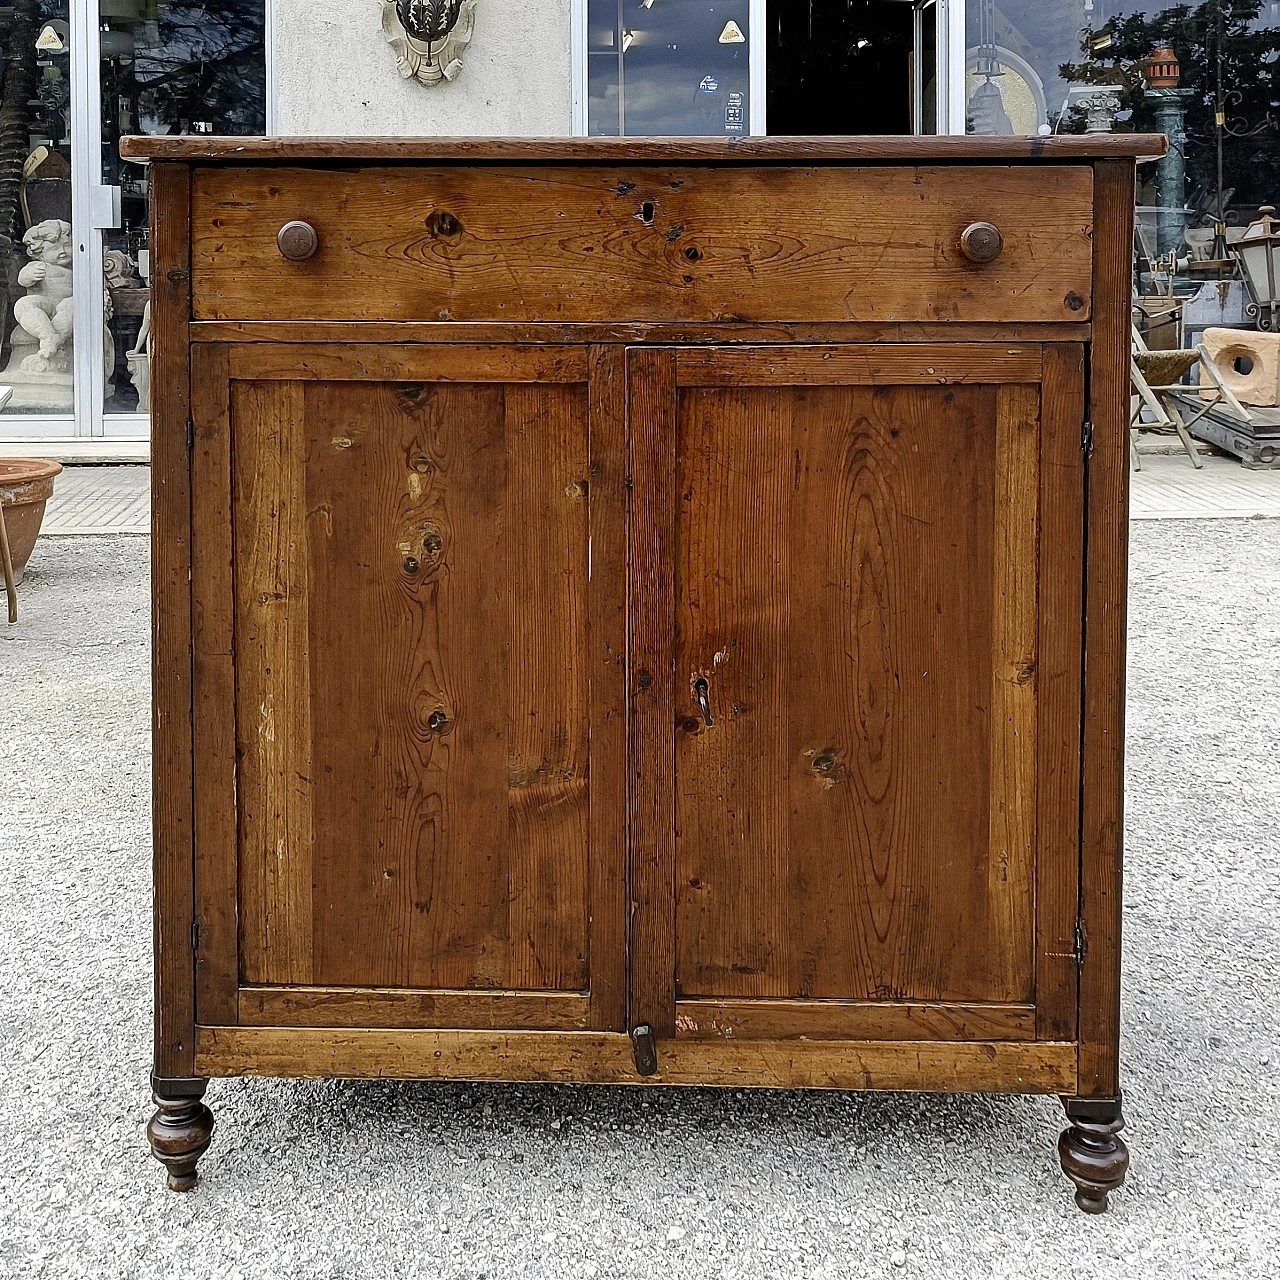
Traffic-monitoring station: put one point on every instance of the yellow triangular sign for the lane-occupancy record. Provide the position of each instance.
(732, 34)
(49, 41)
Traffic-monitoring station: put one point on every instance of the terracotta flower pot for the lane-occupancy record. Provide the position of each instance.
(26, 484)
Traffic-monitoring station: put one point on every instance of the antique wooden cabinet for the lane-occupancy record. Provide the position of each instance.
(641, 612)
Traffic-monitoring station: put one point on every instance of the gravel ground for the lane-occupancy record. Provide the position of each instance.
(394, 1180)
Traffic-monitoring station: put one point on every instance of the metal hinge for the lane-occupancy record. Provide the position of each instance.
(191, 435)
(1082, 945)
(195, 935)
(1086, 440)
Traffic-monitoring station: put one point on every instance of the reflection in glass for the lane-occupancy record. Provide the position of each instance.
(668, 67)
(36, 346)
(852, 66)
(1079, 66)
(166, 68)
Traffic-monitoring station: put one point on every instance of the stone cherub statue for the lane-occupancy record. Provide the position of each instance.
(45, 310)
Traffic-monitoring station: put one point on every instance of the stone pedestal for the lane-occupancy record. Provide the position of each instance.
(1170, 107)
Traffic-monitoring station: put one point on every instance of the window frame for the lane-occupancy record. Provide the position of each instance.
(949, 16)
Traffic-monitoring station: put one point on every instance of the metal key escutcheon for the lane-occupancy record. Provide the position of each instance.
(644, 1050)
(702, 691)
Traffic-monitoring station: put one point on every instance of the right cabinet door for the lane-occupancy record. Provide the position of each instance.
(878, 596)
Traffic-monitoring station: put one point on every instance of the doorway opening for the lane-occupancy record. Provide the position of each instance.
(851, 66)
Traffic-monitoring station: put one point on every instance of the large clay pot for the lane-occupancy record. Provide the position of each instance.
(26, 484)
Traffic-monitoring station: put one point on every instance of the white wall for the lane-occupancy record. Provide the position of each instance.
(336, 74)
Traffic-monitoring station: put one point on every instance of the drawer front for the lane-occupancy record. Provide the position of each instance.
(697, 244)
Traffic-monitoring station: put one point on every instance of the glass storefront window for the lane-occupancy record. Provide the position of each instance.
(679, 67)
(734, 67)
(1084, 66)
(77, 75)
(165, 68)
(36, 211)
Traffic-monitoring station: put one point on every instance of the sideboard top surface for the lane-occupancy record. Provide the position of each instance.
(775, 150)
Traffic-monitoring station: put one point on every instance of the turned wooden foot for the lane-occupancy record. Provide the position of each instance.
(181, 1129)
(1093, 1154)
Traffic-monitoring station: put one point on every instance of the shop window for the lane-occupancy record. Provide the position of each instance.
(668, 67)
(851, 66)
(1087, 66)
(691, 67)
(78, 74)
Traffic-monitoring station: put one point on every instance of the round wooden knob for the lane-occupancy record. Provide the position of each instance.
(298, 241)
(981, 242)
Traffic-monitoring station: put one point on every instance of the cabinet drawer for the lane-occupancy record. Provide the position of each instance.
(643, 243)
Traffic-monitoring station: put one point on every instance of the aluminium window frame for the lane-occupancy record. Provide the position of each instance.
(949, 15)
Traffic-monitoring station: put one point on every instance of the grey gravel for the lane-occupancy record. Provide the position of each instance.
(412, 1180)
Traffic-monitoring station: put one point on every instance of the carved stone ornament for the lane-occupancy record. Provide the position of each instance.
(428, 36)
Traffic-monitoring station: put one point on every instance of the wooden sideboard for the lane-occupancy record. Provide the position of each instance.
(641, 612)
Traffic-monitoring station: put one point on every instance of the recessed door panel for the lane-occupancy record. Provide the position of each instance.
(875, 691)
(413, 696)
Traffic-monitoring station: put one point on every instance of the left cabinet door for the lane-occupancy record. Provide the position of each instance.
(409, 632)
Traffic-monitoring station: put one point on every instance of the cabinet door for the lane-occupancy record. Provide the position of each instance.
(410, 622)
(871, 688)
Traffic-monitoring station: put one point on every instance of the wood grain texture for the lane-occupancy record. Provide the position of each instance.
(651, 811)
(414, 696)
(742, 151)
(591, 1057)
(382, 1007)
(574, 244)
(213, 708)
(1106, 582)
(312, 361)
(837, 595)
(453, 736)
(171, 658)
(548, 745)
(838, 366)
(852, 1020)
(666, 334)
(1058, 691)
(1012, 811)
(273, 692)
(607, 675)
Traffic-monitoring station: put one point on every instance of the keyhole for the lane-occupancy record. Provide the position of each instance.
(646, 213)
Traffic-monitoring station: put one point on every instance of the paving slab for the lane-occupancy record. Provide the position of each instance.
(99, 500)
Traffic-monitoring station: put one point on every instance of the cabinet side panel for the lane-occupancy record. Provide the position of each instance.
(273, 682)
(1106, 585)
(651, 658)
(607, 668)
(545, 531)
(1012, 816)
(1061, 556)
(213, 695)
(173, 881)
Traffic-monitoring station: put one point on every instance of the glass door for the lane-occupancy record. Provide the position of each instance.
(37, 222)
(78, 74)
(163, 67)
